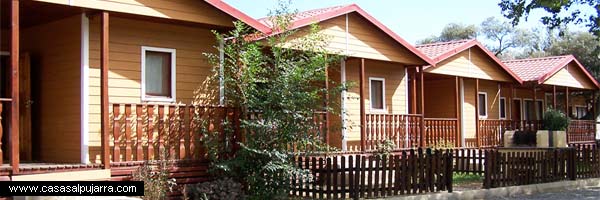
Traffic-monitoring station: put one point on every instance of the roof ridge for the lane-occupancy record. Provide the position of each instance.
(535, 59)
(443, 43)
(308, 11)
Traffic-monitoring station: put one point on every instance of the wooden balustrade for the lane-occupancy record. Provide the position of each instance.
(441, 132)
(150, 132)
(581, 131)
(491, 131)
(403, 130)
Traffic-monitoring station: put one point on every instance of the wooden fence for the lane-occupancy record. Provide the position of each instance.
(509, 167)
(441, 132)
(581, 131)
(587, 160)
(403, 130)
(150, 132)
(468, 160)
(369, 176)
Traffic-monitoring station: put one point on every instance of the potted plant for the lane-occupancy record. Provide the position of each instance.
(555, 125)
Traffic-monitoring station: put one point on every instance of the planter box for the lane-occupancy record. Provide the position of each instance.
(508, 138)
(559, 137)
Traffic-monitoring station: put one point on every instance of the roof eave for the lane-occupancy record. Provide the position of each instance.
(237, 14)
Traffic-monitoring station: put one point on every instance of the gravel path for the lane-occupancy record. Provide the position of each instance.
(583, 193)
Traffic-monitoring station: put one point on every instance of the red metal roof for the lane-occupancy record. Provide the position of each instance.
(306, 18)
(440, 51)
(235, 13)
(434, 50)
(541, 69)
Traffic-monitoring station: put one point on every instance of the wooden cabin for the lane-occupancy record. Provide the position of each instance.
(467, 86)
(83, 81)
(377, 62)
(559, 82)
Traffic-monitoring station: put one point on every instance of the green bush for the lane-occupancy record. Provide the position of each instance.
(555, 120)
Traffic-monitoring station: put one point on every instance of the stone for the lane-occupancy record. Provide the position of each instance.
(508, 138)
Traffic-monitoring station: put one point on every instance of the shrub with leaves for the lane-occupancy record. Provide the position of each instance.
(156, 180)
(555, 120)
(277, 82)
(225, 188)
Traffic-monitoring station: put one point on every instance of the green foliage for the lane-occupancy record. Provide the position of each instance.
(384, 148)
(453, 31)
(555, 120)
(561, 12)
(156, 180)
(442, 144)
(460, 178)
(277, 83)
(225, 188)
(504, 35)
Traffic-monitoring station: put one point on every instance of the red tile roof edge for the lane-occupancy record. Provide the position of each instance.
(471, 43)
(235, 13)
(355, 8)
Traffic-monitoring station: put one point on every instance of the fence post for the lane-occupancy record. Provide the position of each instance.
(571, 166)
(488, 170)
(449, 170)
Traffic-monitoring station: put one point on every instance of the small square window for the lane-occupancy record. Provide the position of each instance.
(482, 106)
(377, 93)
(502, 108)
(158, 74)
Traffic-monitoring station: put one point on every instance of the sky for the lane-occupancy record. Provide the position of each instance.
(413, 20)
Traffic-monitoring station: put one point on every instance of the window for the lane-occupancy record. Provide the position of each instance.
(581, 112)
(377, 94)
(502, 106)
(482, 104)
(158, 74)
(530, 110)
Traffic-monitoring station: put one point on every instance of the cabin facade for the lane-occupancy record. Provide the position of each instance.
(74, 70)
(467, 86)
(99, 87)
(558, 82)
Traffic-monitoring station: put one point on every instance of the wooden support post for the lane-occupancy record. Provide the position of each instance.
(477, 111)
(413, 93)
(104, 122)
(554, 97)
(567, 101)
(327, 116)
(594, 106)
(361, 76)
(14, 81)
(535, 108)
(509, 103)
(422, 103)
(457, 114)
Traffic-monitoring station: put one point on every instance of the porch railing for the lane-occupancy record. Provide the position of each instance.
(441, 132)
(401, 129)
(581, 131)
(151, 132)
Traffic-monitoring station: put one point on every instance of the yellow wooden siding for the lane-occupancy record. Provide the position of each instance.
(395, 92)
(471, 63)
(493, 96)
(468, 116)
(364, 40)
(439, 98)
(127, 36)
(335, 127)
(186, 10)
(56, 47)
(571, 76)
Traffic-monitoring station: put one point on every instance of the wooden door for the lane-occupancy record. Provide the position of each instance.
(25, 107)
(516, 110)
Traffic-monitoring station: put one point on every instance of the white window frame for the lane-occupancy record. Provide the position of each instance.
(576, 107)
(173, 53)
(500, 108)
(382, 94)
(486, 105)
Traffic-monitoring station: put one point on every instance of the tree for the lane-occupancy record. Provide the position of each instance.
(583, 45)
(505, 36)
(561, 12)
(276, 83)
(452, 31)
